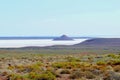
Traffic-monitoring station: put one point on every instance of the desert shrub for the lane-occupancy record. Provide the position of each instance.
(89, 75)
(32, 75)
(77, 74)
(111, 76)
(109, 68)
(65, 71)
(17, 77)
(114, 56)
(96, 71)
(111, 55)
(55, 73)
(114, 62)
(4, 73)
(101, 63)
(42, 76)
(34, 67)
(58, 65)
(73, 59)
(29, 68)
(11, 67)
(117, 68)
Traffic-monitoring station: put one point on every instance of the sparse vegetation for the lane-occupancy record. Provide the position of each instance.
(31, 66)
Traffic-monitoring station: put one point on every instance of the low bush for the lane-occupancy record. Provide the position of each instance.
(73, 59)
(111, 76)
(77, 75)
(101, 63)
(114, 62)
(89, 75)
(117, 68)
(43, 76)
(65, 71)
(17, 77)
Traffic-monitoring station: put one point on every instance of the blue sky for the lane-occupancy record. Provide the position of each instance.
(57, 17)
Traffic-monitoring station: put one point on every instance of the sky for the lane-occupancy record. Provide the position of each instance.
(57, 17)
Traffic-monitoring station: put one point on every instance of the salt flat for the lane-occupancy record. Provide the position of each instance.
(36, 42)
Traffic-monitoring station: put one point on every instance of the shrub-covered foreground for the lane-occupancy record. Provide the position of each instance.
(59, 66)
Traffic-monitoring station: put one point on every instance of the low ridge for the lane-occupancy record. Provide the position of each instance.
(101, 42)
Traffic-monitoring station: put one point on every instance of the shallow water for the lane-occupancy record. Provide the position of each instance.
(36, 42)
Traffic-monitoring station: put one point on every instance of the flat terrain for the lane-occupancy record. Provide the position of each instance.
(67, 66)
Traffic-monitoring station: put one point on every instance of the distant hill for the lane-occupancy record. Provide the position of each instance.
(63, 37)
(101, 42)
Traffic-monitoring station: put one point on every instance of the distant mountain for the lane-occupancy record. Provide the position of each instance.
(63, 37)
(101, 42)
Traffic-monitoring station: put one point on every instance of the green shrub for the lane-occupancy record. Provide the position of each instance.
(101, 63)
(42, 76)
(17, 77)
(29, 68)
(114, 62)
(114, 56)
(111, 55)
(73, 59)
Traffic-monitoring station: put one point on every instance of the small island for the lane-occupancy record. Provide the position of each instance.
(64, 38)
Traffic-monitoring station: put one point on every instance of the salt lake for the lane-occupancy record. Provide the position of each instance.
(36, 42)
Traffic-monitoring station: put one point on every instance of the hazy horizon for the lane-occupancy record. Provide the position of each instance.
(91, 18)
